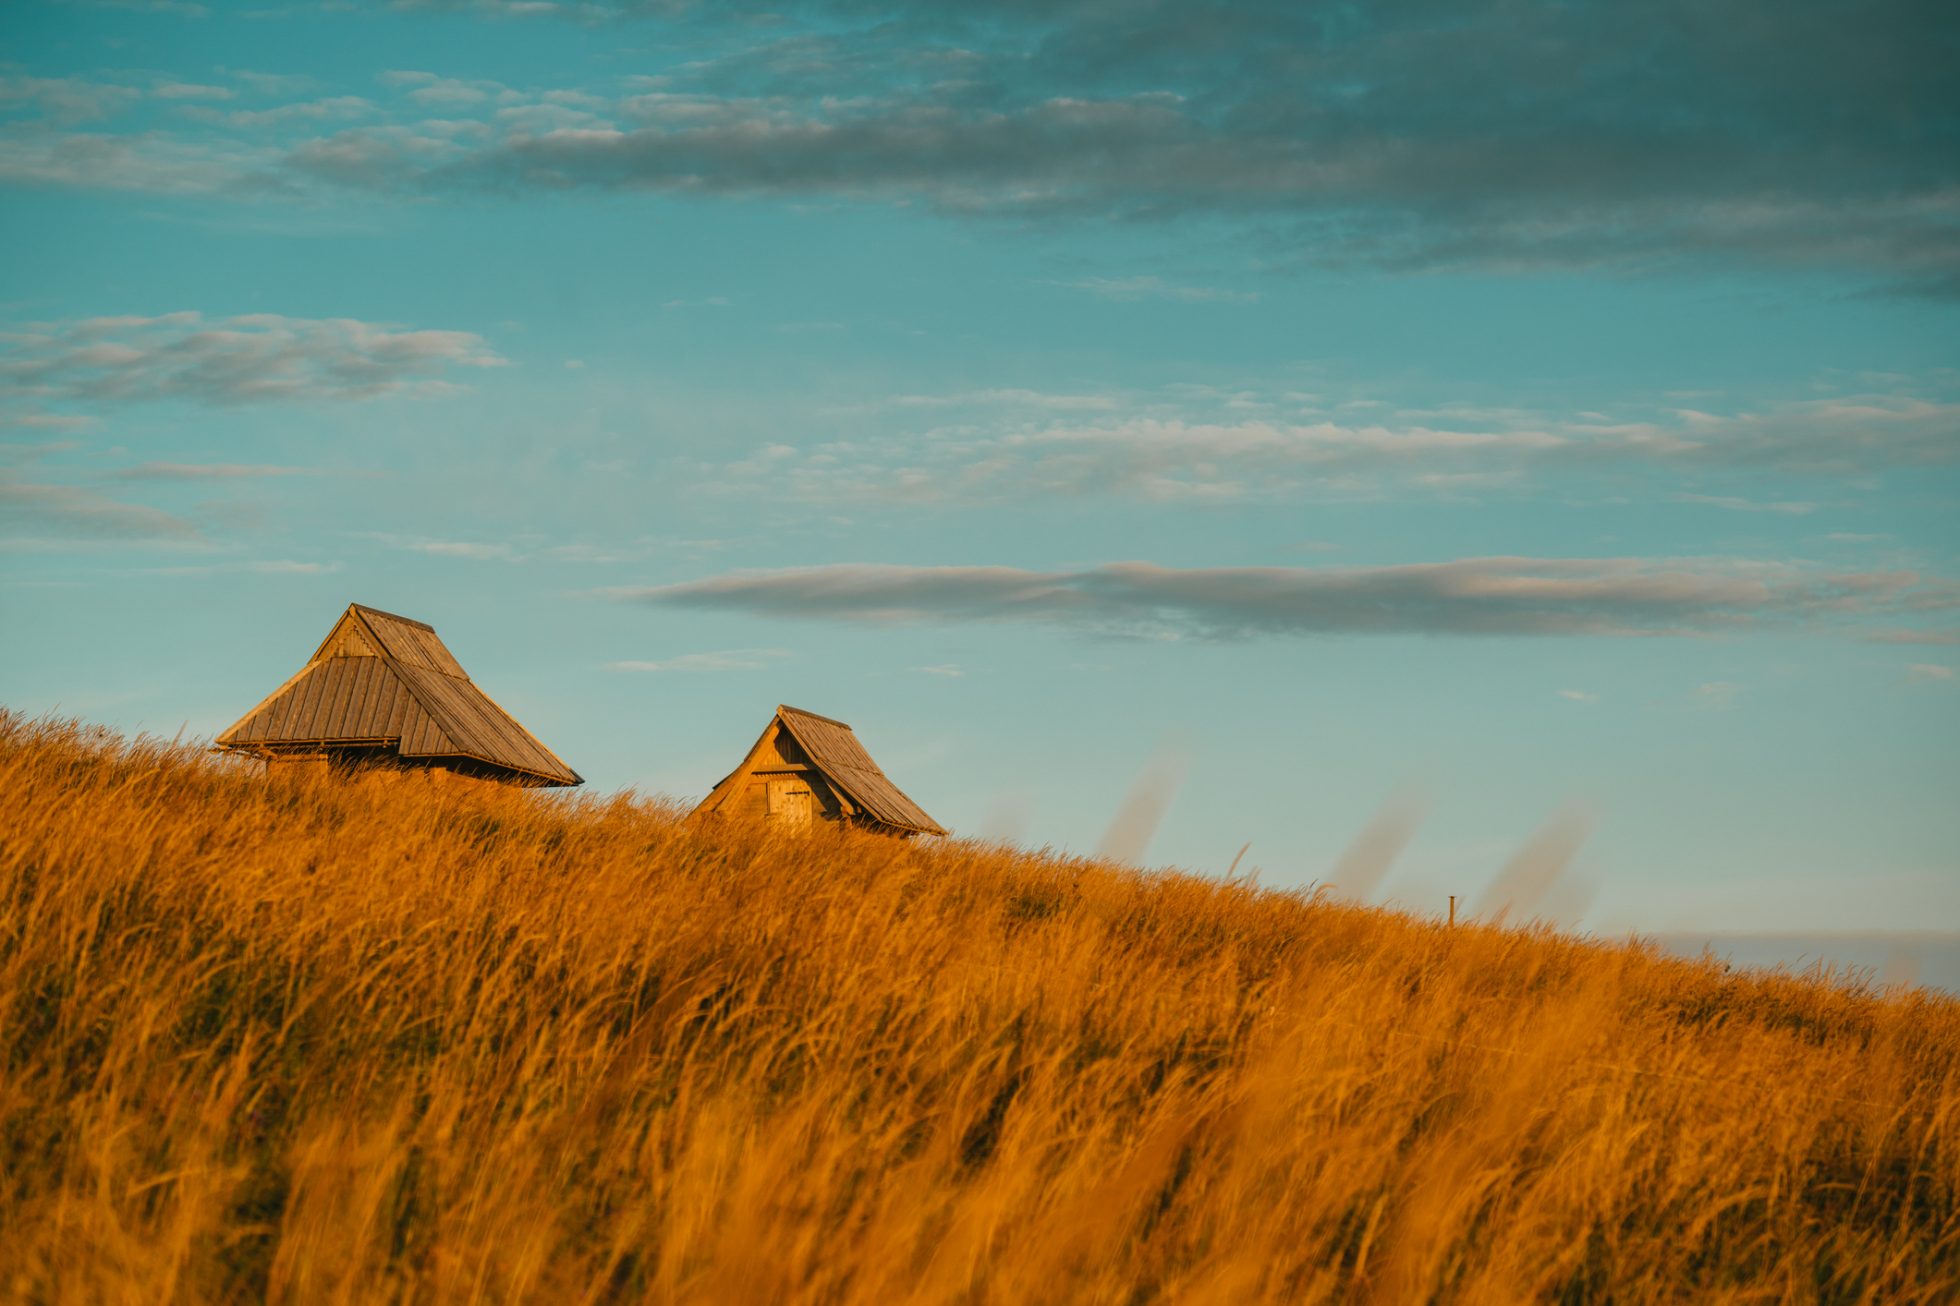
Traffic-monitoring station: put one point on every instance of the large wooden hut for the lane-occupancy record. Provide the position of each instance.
(807, 768)
(383, 690)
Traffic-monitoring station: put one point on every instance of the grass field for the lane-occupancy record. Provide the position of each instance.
(397, 1040)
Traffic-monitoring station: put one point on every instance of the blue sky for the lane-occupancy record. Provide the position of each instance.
(1531, 429)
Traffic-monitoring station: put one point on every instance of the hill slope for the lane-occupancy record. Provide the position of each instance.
(394, 1039)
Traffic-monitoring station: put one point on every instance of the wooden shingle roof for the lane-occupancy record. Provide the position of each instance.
(378, 680)
(834, 751)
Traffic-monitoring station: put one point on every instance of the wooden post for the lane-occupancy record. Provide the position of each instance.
(1452, 909)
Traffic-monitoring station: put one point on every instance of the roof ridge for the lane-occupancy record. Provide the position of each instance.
(818, 716)
(392, 616)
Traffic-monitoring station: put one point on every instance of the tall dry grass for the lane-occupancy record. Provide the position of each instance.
(371, 1041)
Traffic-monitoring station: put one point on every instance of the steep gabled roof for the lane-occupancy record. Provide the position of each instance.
(834, 750)
(379, 679)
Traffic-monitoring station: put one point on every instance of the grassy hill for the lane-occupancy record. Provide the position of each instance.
(394, 1039)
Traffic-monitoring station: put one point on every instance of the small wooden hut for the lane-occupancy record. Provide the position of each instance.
(383, 690)
(807, 768)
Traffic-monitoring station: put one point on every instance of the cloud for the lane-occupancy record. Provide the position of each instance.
(473, 550)
(948, 670)
(1717, 693)
(1674, 135)
(1929, 673)
(734, 659)
(192, 91)
(1578, 695)
(1500, 596)
(1130, 289)
(153, 163)
(207, 472)
(1008, 398)
(256, 358)
(266, 567)
(46, 421)
(1200, 447)
(261, 83)
(32, 511)
(430, 90)
(64, 100)
(337, 108)
(1914, 637)
(1734, 504)
(181, 8)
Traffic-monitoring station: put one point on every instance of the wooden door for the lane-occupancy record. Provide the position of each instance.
(789, 802)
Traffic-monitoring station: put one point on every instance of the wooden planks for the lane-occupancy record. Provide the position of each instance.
(833, 748)
(382, 679)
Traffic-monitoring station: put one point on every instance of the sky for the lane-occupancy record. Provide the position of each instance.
(1504, 449)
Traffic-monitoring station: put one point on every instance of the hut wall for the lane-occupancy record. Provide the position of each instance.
(781, 796)
(347, 641)
(780, 750)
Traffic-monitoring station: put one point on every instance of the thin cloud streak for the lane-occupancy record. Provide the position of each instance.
(734, 659)
(1497, 596)
(160, 471)
(1132, 289)
(30, 510)
(1177, 458)
(254, 358)
(268, 567)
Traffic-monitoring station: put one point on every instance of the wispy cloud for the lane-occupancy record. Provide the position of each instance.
(263, 567)
(1731, 503)
(64, 100)
(192, 91)
(1178, 446)
(1578, 695)
(47, 421)
(1009, 397)
(311, 114)
(157, 471)
(30, 510)
(472, 550)
(1473, 596)
(1914, 637)
(1929, 673)
(1131, 289)
(256, 358)
(734, 659)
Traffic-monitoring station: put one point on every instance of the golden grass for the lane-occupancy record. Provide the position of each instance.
(383, 1040)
